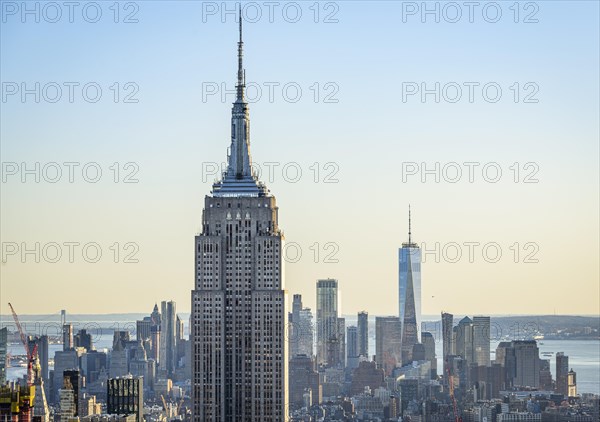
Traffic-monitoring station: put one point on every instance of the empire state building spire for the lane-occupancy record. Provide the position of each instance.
(239, 178)
(241, 76)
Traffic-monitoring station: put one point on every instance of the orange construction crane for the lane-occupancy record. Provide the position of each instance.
(30, 353)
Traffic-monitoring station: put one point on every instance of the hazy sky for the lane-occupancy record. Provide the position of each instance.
(356, 67)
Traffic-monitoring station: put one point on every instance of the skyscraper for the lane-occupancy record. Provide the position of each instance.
(168, 344)
(527, 362)
(410, 293)
(301, 329)
(429, 342)
(388, 346)
(125, 396)
(363, 334)
(447, 350)
(67, 336)
(240, 358)
(352, 339)
(328, 336)
(562, 371)
(481, 340)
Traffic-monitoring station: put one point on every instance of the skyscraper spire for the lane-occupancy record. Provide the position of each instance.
(409, 232)
(241, 82)
(239, 178)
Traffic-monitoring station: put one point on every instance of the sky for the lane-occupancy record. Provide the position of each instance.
(485, 121)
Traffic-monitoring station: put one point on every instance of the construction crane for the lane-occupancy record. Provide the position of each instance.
(30, 353)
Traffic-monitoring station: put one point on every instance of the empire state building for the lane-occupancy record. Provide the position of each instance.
(239, 349)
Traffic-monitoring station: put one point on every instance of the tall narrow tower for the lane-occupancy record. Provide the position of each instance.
(410, 294)
(240, 358)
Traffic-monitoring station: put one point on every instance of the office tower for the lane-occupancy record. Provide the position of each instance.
(3, 351)
(352, 340)
(239, 316)
(410, 293)
(527, 362)
(545, 375)
(168, 351)
(72, 381)
(464, 340)
(304, 376)
(328, 336)
(295, 329)
(67, 404)
(67, 336)
(447, 325)
(571, 384)
(120, 337)
(138, 365)
(562, 371)
(155, 334)
(64, 360)
(363, 334)
(342, 342)
(92, 363)
(429, 342)
(307, 331)
(142, 329)
(125, 396)
(119, 361)
(180, 329)
(388, 346)
(481, 340)
(83, 339)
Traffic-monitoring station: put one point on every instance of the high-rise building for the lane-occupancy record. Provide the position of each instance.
(92, 364)
(3, 351)
(328, 335)
(429, 342)
(67, 336)
(64, 360)
(125, 396)
(410, 293)
(571, 384)
(352, 340)
(142, 329)
(84, 339)
(447, 339)
(363, 334)
(464, 340)
(168, 344)
(307, 333)
(240, 356)
(388, 346)
(303, 376)
(562, 371)
(342, 342)
(301, 329)
(527, 362)
(72, 381)
(481, 340)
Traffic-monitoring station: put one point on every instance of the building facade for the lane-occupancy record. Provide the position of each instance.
(239, 346)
